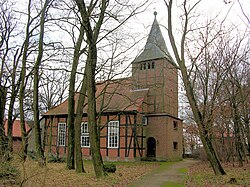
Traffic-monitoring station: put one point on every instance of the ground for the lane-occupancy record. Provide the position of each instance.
(201, 174)
(56, 174)
(188, 172)
(171, 174)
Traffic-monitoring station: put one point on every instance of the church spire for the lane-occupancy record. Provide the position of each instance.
(155, 47)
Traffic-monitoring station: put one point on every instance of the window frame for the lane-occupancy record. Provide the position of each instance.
(85, 134)
(61, 135)
(113, 134)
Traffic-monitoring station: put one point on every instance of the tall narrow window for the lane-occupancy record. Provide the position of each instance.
(113, 134)
(144, 66)
(175, 145)
(175, 125)
(144, 120)
(148, 65)
(85, 135)
(61, 137)
(153, 65)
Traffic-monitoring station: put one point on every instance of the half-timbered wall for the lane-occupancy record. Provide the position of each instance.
(131, 139)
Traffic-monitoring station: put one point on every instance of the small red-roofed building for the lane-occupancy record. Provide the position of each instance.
(16, 133)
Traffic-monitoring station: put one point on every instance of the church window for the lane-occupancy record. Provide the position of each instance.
(175, 125)
(153, 65)
(84, 135)
(144, 66)
(113, 134)
(61, 134)
(144, 120)
(149, 65)
(175, 145)
(141, 66)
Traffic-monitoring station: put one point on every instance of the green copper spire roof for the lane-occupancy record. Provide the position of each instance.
(155, 47)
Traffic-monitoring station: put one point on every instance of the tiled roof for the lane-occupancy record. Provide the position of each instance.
(16, 130)
(155, 47)
(112, 96)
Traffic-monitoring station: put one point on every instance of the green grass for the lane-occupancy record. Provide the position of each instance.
(183, 170)
(165, 165)
(172, 184)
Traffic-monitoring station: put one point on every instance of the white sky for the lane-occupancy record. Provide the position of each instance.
(142, 23)
(207, 9)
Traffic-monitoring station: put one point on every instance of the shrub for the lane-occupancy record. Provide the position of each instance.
(56, 159)
(31, 155)
(200, 154)
(7, 170)
(109, 168)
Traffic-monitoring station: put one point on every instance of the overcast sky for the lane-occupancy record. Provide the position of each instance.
(141, 24)
(207, 9)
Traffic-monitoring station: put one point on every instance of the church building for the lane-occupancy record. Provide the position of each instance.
(137, 116)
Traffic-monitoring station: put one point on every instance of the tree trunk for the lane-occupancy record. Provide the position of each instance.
(203, 131)
(38, 141)
(92, 123)
(211, 153)
(9, 134)
(22, 84)
(14, 91)
(247, 129)
(237, 137)
(92, 35)
(3, 92)
(78, 120)
(50, 134)
(70, 124)
(71, 102)
(22, 117)
(10, 119)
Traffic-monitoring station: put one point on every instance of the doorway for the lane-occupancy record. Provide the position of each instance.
(151, 147)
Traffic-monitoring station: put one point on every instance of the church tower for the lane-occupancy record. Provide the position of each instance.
(154, 69)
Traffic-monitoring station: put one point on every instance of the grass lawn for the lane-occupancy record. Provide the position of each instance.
(56, 174)
(202, 174)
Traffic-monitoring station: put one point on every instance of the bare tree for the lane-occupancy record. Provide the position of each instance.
(15, 85)
(53, 88)
(238, 96)
(208, 74)
(7, 26)
(39, 149)
(92, 36)
(23, 82)
(3, 92)
(71, 101)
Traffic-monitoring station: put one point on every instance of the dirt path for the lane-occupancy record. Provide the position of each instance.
(165, 176)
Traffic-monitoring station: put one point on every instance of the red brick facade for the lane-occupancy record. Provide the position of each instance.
(139, 117)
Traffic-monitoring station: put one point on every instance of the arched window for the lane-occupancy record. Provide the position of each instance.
(144, 66)
(153, 65)
(148, 65)
(141, 66)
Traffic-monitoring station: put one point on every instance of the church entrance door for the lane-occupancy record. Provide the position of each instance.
(151, 147)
